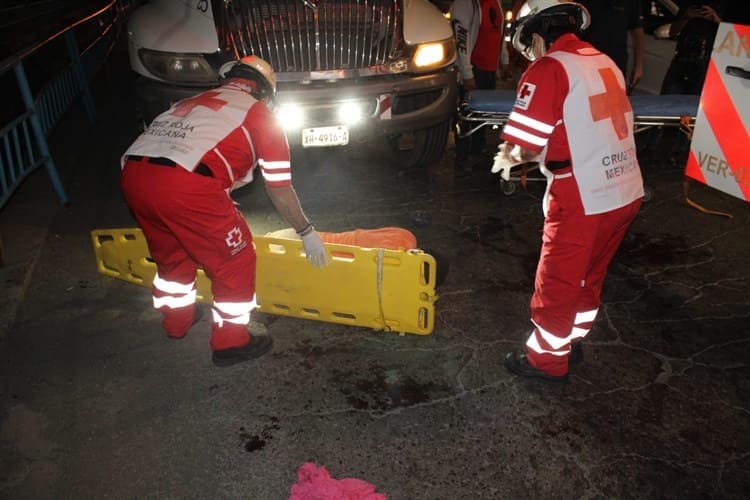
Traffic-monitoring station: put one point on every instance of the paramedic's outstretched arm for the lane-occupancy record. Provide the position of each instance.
(462, 17)
(508, 156)
(287, 204)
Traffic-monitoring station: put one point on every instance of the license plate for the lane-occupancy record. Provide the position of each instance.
(325, 136)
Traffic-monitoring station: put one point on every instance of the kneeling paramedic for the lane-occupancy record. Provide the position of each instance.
(177, 177)
(573, 116)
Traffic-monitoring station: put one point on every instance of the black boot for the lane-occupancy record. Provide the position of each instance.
(257, 347)
(516, 362)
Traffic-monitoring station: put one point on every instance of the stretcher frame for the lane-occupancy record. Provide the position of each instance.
(491, 108)
(380, 289)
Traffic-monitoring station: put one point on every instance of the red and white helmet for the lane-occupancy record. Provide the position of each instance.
(251, 68)
(549, 19)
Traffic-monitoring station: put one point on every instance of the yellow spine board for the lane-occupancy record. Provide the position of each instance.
(390, 290)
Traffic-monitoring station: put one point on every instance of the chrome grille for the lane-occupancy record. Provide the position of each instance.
(307, 35)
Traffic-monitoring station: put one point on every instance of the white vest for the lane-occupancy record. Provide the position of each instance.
(193, 126)
(604, 163)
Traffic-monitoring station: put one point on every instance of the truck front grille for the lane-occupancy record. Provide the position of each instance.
(309, 35)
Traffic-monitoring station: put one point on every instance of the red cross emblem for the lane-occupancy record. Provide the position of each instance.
(612, 104)
(207, 99)
(525, 91)
(234, 238)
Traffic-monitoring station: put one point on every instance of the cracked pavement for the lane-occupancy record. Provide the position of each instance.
(98, 403)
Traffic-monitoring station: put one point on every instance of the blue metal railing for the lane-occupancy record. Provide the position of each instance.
(23, 140)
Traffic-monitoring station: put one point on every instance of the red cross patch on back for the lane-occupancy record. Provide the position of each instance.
(207, 99)
(612, 104)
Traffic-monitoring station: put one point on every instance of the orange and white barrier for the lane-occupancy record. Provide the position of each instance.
(720, 148)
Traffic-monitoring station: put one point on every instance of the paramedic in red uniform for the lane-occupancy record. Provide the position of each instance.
(177, 177)
(572, 115)
(478, 27)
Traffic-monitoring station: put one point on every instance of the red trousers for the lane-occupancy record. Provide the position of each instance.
(576, 252)
(189, 221)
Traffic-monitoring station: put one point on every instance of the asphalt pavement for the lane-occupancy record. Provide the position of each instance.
(97, 402)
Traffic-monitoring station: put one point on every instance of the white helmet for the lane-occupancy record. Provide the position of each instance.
(251, 68)
(548, 18)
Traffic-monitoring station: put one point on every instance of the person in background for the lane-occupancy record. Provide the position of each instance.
(612, 21)
(694, 29)
(572, 115)
(478, 27)
(177, 177)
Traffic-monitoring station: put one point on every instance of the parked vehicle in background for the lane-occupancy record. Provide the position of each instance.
(347, 70)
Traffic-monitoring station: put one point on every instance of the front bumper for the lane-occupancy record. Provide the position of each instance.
(395, 104)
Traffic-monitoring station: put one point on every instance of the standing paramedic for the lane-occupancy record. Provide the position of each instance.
(478, 27)
(177, 177)
(572, 115)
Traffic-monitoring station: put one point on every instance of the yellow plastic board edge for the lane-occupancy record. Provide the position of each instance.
(390, 290)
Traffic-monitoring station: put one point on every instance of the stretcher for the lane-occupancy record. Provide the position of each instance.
(377, 288)
(491, 108)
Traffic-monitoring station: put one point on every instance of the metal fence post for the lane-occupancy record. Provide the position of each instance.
(75, 56)
(49, 164)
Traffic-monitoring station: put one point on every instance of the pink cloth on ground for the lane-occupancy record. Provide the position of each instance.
(315, 483)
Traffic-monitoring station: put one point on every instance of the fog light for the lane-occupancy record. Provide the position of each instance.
(290, 116)
(350, 113)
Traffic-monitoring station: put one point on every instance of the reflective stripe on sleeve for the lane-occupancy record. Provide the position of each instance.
(276, 171)
(524, 136)
(275, 165)
(532, 123)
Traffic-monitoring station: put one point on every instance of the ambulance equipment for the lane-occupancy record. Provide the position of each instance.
(381, 289)
(491, 108)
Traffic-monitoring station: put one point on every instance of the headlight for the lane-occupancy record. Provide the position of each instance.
(350, 113)
(178, 68)
(429, 56)
(290, 116)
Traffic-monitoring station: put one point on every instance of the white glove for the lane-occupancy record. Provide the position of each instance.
(314, 249)
(503, 162)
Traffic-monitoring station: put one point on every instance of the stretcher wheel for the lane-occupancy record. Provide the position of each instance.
(508, 187)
